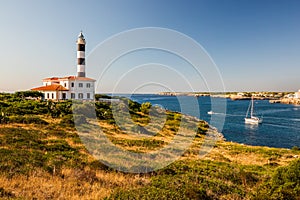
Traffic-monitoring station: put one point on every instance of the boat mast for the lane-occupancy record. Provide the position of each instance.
(252, 107)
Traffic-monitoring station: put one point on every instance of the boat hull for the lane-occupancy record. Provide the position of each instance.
(253, 120)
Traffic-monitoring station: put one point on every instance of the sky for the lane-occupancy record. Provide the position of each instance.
(254, 45)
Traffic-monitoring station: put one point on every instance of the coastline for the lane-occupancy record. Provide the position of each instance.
(231, 95)
(273, 97)
(293, 101)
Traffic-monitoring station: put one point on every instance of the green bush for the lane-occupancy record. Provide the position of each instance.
(22, 94)
(145, 107)
(26, 119)
(70, 120)
(3, 119)
(133, 106)
(87, 109)
(27, 150)
(101, 96)
(67, 120)
(19, 161)
(295, 148)
(58, 109)
(284, 184)
(3, 104)
(202, 128)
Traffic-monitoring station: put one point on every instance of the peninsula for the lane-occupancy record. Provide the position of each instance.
(233, 95)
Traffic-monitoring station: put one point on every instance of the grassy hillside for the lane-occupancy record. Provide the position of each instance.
(42, 157)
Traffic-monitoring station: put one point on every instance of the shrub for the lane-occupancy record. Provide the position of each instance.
(3, 119)
(284, 184)
(86, 108)
(295, 148)
(101, 96)
(79, 119)
(70, 120)
(67, 120)
(23, 94)
(104, 113)
(3, 104)
(17, 161)
(145, 107)
(133, 106)
(98, 165)
(26, 119)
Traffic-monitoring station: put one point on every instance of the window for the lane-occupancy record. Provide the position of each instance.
(80, 85)
(72, 84)
(52, 95)
(88, 95)
(81, 61)
(48, 95)
(72, 95)
(65, 84)
(81, 47)
(80, 96)
(88, 85)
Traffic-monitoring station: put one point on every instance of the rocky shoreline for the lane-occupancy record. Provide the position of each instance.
(294, 101)
(236, 97)
(278, 97)
(233, 96)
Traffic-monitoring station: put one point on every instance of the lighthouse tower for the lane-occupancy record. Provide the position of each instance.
(81, 55)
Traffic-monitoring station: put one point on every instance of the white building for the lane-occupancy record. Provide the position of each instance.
(297, 94)
(70, 87)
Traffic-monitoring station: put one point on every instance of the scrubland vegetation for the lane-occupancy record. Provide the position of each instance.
(43, 157)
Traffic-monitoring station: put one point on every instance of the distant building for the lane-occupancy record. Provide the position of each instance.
(289, 96)
(70, 87)
(297, 94)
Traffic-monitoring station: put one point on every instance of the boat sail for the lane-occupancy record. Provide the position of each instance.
(252, 119)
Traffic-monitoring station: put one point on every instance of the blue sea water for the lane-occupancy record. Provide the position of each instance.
(280, 127)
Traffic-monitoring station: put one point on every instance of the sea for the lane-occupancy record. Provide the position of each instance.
(280, 127)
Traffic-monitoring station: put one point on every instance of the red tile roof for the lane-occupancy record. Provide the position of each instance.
(53, 87)
(51, 79)
(69, 78)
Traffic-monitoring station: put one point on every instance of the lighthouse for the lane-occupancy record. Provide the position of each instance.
(81, 55)
(77, 87)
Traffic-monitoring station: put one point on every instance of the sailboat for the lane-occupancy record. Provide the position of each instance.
(210, 112)
(252, 119)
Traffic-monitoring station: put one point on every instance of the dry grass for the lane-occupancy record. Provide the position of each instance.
(251, 155)
(71, 184)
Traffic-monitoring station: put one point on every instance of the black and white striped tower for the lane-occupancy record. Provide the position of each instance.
(81, 55)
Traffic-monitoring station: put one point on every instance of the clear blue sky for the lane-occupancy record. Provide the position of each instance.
(255, 44)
